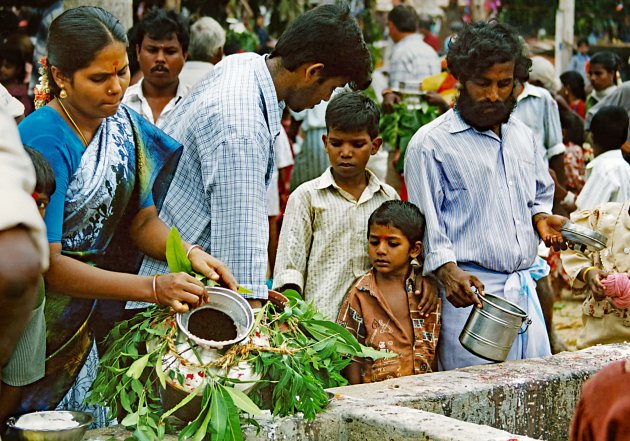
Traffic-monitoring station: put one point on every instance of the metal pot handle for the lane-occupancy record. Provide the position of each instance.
(11, 422)
(528, 322)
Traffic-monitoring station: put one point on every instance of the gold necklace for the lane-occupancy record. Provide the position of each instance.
(76, 127)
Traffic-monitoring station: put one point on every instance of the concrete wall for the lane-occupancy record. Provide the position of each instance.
(533, 398)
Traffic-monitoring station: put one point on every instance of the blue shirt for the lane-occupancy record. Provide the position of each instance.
(228, 125)
(478, 193)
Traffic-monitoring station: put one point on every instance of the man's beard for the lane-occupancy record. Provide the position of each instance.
(484, 115)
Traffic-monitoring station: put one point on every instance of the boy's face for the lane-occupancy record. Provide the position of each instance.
(349, 152)
(390, 251)
(42, 201)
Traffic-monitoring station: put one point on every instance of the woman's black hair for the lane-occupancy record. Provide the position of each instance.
(609, 61)
(44, 175)
(353, 112)
(480, 46)
(327, 34)
(573, 81)
(76, 36)
(609, 127)
(402, 215)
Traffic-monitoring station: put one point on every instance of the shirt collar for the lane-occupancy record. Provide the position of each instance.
(326, 180)
(135, 91)
(457, 124)
(529, 90)
(273, 107)
(613, 155)
(367, 283)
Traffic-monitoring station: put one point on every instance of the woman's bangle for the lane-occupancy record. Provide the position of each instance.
(192, 247)
(155, 294)
(585, 272)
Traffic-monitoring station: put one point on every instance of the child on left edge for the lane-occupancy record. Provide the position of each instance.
(382, 309)
(27, 364)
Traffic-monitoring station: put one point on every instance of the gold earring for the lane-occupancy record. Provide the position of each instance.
(415, 264)
(63, 94)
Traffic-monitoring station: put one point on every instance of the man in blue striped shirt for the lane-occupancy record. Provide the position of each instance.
(228, 125)
(485, 191)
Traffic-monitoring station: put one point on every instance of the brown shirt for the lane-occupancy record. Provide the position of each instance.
(366, 314)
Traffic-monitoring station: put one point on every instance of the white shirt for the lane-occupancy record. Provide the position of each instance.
(412, 60)
(607, 180)
(17, 183)
(193, 72)
(284, 158)
(539, 111)
(134, 98)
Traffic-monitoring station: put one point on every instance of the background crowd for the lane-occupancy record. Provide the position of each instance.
(271, 165)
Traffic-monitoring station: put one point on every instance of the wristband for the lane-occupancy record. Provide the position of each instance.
(192, 247)
(585, 272)
(155, 294)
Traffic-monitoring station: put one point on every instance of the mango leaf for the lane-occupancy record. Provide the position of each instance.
(374, 354)
(242, 290)
(232, 431)
(219, 414)
(176, 254)
(292, 294)
(137, 367)
(130, 420)
(159, 371)
(203, 428)
(242, 401)
(343, 333)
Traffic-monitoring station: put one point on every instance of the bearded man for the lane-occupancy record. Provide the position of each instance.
(485, 192)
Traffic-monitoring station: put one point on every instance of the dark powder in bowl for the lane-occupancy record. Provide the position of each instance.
(210, 324)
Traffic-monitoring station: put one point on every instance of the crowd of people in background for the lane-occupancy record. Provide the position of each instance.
(272, 168)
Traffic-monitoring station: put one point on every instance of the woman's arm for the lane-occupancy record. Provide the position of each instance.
(79, 279)
(150, 234)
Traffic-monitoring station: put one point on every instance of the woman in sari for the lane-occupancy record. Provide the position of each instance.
(112, 169)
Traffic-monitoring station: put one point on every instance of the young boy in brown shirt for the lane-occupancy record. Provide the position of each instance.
(382, 309)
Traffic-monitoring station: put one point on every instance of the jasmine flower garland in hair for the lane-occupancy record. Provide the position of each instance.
(42, 90)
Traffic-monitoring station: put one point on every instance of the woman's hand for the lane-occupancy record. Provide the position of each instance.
(212, 268)
(179, 291)
(594, 282)
(427, 288)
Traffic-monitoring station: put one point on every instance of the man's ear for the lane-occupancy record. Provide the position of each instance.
(138, 46)
(324, 140)
(313, 72)
(376, 144)
(185, 56)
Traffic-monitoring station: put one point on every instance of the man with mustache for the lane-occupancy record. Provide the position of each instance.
(485, 192)
(162, 49)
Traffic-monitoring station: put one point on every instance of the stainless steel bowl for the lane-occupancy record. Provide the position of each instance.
(584, 236)
(56, 425)
(228, 302)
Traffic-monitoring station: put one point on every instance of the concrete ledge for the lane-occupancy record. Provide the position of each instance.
(532, 398)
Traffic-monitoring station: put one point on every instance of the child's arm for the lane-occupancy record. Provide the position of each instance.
(352, 372)
(351, 317)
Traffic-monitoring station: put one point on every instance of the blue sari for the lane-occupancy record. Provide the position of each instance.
(126, 167)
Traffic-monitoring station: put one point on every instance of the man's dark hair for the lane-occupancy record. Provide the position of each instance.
(582, 41)
(480, 46)
(574, 126)
(327, 34)
(353, 112)
(609, 127)
(159, 24)
(402, 215)
(573, 81)
(44, 175)
(609, 61)
(404, 18)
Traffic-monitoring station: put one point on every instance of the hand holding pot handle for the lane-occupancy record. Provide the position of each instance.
(458, 285)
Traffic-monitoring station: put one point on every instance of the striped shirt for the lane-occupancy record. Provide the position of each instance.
(323, 241)
(412, 60)
(228, 125)
(478, 193)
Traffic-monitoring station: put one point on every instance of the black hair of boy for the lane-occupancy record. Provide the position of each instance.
(574, 126)
(353, 112)
(45, 177)
(160, 24)
(609, 127)
(402, 215)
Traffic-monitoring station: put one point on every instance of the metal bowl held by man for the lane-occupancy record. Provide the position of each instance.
(490, 331)
(49, 426)
(583, 237)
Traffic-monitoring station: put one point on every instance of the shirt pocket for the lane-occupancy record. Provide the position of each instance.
(385, 368)
(526, 180)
